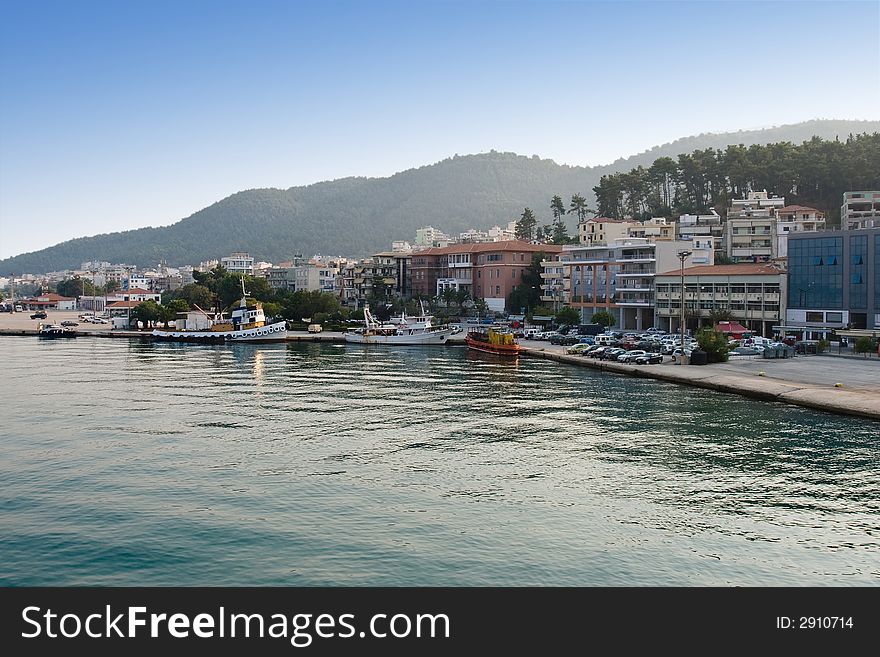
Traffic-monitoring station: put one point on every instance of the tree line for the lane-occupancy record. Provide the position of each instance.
(815, 173)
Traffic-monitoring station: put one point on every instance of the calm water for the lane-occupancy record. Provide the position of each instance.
(127, 463)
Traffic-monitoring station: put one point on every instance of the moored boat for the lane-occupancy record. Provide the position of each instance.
(55, 331)
(247, 324)
(493, 341)
(400, 331)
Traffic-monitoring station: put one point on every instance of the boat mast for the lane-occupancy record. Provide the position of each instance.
(243, 303)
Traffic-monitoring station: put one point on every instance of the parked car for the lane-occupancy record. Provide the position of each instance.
(577, 348)
(744, 351)
(69, 322)
(613, 353)
(649, 359)
(315, 328)
(40, 314)
(597, 352)
(530, 333)
(630, 356)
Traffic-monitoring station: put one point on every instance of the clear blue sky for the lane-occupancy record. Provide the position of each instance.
(117, 115)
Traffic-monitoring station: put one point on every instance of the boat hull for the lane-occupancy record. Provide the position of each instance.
(488, 348)
(272, 333)
(416, 339)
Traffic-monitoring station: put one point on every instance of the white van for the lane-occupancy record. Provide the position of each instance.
(603, 339)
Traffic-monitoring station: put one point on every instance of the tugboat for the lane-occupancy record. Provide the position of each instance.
(247, 324)
(495, 340)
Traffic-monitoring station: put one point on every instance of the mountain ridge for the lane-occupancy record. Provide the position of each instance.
(359, 215)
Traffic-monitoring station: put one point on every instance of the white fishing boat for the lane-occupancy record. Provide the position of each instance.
(400, 330)
(247, 324)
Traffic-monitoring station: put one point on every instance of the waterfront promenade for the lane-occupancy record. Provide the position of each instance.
(804, 381)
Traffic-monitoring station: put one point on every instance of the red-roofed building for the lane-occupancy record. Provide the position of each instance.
(488, 271)
(754, 294)
(49, 301)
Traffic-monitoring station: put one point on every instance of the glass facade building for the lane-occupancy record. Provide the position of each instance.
(834, 279)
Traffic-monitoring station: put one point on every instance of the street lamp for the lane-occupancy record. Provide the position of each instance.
(682, 256)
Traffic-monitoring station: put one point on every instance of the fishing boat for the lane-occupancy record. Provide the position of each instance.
(55, 331)
(400, 331)
(246, 324)
(494, 340)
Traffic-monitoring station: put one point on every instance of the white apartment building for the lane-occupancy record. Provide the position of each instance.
(428, 236)
(238, 263)
(795, 219)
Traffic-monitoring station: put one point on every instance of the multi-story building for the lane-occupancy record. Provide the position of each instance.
(793, 219)
(617, 278)
(708, 228)
(238, 263)
(750, 233)
(488, 271)
(753, 294)
(654, 229)
(281, 278)
(833, 281)
(602, 230)
(315, 278)
(860, 210)
(428, 236)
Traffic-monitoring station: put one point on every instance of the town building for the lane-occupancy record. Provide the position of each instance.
(617, 278)
(238, 263)
(752, 293)
(488, 271)
(654, 229)
(428, 236)
(602, 230)
(48, 301)
(833, 281)
(793, 219)
(750, 233)
(706, 228)
(860, 210)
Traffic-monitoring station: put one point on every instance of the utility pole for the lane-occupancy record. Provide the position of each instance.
(682, 256)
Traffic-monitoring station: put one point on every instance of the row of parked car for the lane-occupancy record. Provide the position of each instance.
(619, 354)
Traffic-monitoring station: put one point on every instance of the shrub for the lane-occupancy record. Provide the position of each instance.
(714, 343)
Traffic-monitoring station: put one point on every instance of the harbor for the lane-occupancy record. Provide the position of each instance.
(318, 464)
(796, 381)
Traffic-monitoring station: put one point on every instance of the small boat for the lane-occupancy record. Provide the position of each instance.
(495, 340)
(55, 331)
(247, 324)
(400, 331)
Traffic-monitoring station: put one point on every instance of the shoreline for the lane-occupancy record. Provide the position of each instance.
(840, 400)
(860, 403)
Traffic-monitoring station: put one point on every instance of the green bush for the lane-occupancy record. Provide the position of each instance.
(714, 343)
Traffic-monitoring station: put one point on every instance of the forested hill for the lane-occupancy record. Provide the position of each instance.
(359, 216)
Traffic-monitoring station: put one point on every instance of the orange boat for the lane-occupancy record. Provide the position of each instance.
(493, 341)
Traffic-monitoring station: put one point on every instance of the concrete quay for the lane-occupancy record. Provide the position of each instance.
(804, 381)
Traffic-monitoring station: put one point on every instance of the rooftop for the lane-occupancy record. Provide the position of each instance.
(745, 269)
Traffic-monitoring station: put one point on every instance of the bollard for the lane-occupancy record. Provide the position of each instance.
(838, 385)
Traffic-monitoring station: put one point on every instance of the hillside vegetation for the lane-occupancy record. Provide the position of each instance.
(359, 216)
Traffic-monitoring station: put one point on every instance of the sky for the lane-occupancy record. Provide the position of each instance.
(119, 115)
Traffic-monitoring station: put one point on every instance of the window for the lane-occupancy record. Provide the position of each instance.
(834, 317)
(856, 279)
(815, 317)
(817, 261)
